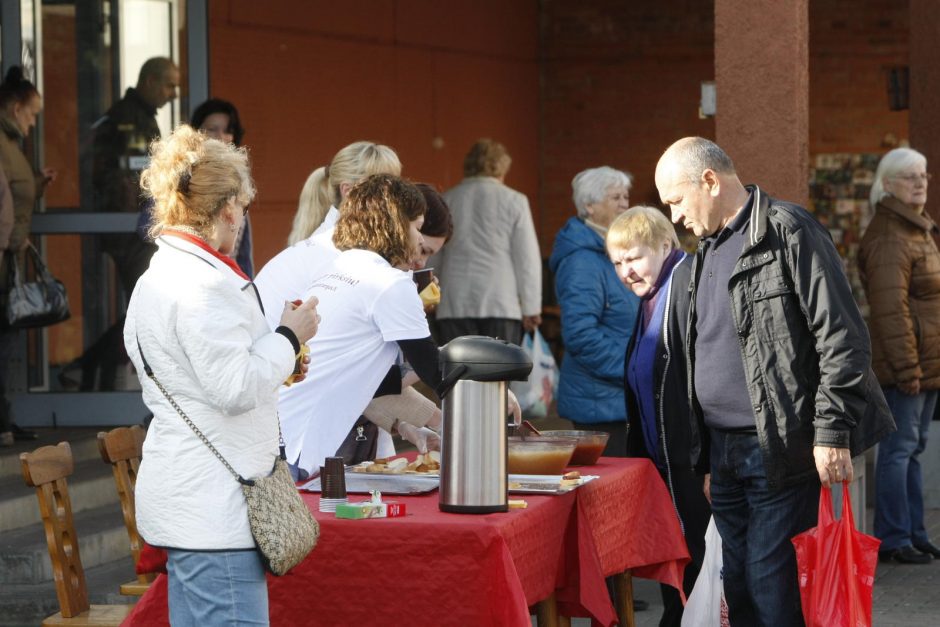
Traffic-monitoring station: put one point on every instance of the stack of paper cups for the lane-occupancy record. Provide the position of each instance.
(332, 484)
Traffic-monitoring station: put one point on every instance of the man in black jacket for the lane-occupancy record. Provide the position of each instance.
(779, 363)
(121, 152)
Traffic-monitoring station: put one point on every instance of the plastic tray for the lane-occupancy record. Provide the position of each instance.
(364, 483)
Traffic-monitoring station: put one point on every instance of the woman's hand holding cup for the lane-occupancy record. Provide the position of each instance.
(302, 318)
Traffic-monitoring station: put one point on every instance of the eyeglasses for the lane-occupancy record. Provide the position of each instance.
(913, 178)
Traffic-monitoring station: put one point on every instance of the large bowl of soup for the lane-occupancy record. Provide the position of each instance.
(590, 445)
(540, 455)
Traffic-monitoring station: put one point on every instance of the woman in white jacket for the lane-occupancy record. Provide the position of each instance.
(197, 321)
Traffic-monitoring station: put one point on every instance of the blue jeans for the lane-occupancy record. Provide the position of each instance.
(216, 588)
(756, 524)
(899, 492)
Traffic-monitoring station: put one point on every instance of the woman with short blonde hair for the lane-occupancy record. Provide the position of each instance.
(194, 321)
(643, 246)
(644, 225)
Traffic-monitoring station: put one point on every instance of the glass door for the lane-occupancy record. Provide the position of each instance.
(94, 63)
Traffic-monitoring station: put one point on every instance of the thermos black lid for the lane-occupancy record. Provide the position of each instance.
(481, 358)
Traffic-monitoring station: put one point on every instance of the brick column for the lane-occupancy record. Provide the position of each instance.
(925, 91)
(762, 82)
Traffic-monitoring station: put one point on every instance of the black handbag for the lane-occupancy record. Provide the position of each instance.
(38, 303)
(361, 444)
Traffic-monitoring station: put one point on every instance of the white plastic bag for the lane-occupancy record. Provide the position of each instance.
(535, 395)
(706, 606)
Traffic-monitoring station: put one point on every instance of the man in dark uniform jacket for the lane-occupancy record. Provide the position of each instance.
(121, 143)
(122, 139)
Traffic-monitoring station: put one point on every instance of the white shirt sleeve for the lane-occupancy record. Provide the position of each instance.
(398, 312)
(275, 287)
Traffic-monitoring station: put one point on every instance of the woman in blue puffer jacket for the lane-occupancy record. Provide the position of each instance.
(597, 311)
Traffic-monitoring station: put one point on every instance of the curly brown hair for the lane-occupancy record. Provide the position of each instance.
(375, 216)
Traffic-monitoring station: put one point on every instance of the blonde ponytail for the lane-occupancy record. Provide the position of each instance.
(312, 208)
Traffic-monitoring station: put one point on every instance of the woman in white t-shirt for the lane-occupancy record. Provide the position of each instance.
(291, 272)
(370, 310)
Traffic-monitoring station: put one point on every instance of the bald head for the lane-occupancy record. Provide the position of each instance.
(690, 156)
(158, 80)
(697, 181)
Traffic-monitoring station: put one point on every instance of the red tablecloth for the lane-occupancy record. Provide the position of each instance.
(450, 569)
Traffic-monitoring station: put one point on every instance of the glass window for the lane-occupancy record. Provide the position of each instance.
(88, 53)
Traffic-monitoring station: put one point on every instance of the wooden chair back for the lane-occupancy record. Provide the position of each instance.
(46, 469)
(122, 448)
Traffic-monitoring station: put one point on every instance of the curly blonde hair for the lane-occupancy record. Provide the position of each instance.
(191, 178)
(376, 215)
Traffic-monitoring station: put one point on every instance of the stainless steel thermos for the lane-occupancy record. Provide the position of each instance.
(473, 438)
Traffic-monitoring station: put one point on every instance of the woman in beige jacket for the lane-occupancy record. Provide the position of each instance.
(900, 268)
(491, 271)
(20, 103)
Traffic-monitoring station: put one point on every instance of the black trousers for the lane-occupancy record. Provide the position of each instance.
(107, 353)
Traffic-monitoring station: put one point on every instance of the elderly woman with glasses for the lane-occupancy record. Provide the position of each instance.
(597, 310)
(900, 269)
(645, 252)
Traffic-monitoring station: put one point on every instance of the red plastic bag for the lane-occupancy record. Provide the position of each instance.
(836, 565)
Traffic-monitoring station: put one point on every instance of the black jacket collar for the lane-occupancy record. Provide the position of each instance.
(760, 207)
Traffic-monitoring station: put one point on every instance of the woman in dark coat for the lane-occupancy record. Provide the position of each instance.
(643, 246)
(20, 104)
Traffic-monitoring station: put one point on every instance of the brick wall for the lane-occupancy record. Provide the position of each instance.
(310, 76)
(565, 85)
(620, 82)
(852, 44)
